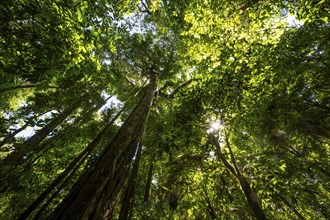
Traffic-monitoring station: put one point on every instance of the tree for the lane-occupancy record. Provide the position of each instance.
(218, 109)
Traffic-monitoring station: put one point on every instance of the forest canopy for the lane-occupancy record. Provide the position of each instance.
(164, 109)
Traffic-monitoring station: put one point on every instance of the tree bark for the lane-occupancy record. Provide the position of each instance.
(69, 169)
(126, 207)
(46, 145)
(97, 189)
(149, 181)
(75, 164)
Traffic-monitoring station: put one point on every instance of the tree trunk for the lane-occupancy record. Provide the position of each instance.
(32, 143)
(45, 146)
(209, 206)
(291, 207)
(126, 207)
(2, 90)
(75, 164)
(251, 196)
(58, 189)
(11, 136)
(69, 169)
(252, 199)
(148, 184)
(97, 189)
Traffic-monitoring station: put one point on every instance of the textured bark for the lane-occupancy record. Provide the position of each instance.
(148, 184)
(92, 195)
(109, 197)
(46, 145)
(73, 166)
(127, 203)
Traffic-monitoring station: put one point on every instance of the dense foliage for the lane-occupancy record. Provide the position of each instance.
(164, 109)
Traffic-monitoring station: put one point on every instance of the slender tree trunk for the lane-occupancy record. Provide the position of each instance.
(32, 143)
(149, 181)
(126, 207)
(58, 189)
(71, 168)
(97, 189)
(11, 136)
(209, 206)
(250, 195)
(251, 198)
(210, 210)
(73, 165)
(291, 207)
(46, 145)
(21, 87)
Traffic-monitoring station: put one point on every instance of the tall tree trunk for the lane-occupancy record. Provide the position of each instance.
(2, 90)
(250, 195)
(46, 145)
(97, 189)
(149, 181)
(251, 198)
(127, 203)
(209, 206)
(32, 143)
(11, 136)
(291, 206)
(73, 166)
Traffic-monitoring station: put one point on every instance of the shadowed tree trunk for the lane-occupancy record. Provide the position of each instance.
(291, 207)
(209, 206)
(11, 136)
(46, 145)
(251, 198)
(127, 203)
(2, 90)
(96, 190)
(73, 166)
(32, 143)
(149, 180)
(250, 195)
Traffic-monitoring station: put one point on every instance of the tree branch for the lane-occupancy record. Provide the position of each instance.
(2, 90)
(233, 160)
(290, 206)
(221, 156)
(177, 90)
